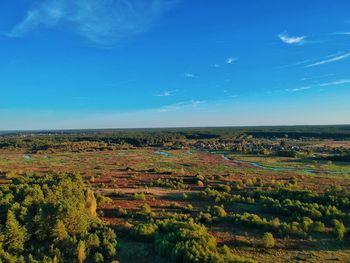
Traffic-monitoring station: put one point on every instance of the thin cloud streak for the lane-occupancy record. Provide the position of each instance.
(181, 105)
(327, 61)
(337, 82)
(299, 89)
(167, 93)
(341, 33)
(326, 84)
(189, 75)
(307, 61)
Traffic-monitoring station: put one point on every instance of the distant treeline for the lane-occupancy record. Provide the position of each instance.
(104, 139)
(317, 131)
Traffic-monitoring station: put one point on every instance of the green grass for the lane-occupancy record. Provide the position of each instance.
(294, 163)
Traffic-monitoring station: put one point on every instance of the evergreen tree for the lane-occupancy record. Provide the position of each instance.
(15, 235)
(42, 228)
(81, 252)
(60, 232)
(90, 203)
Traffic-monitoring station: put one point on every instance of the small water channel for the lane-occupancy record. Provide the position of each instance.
(280, 169)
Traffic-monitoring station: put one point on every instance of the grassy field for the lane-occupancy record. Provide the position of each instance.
(171, 183)
(294, 163)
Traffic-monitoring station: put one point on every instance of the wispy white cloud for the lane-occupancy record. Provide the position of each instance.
(341, 33)
(181, 105)
(164, 94)
(285, 38)
(330, 60)
(310, 60)
(99, 21)
(326, 84)
(167, 93)
(333, 83)
(231, 60)
(297, 63)
(300, 89)
(189, 75)
(229, 95)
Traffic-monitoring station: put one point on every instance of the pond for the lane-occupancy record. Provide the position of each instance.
(166, 154)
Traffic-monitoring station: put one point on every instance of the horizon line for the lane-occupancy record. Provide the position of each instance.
(169, 127)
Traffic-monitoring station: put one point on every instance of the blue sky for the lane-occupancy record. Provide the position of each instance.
(157, 63)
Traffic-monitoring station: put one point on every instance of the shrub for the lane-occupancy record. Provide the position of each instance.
(145, 209)
(144, 232)
(339, 229)
(93, 241)
(205, 217)
(218, 211)
(98, 257)
(102, 200)
(175, 205)
(225, 188)
(268, 240)
(121, 211)
(306, 223)
(200, 183)
(189, 208)
(140, 196)
(174, 183)
(318, 227)
(184, 196)
(191, 243)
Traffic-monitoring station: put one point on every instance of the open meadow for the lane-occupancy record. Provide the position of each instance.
(249, 206)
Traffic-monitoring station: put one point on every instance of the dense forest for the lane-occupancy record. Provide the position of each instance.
(52, 219)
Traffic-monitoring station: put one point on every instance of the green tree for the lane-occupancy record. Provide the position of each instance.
(218, 211)
(268, 240)
(145, 209)
(93, 241)
(145, 232)
(60, 232)
(339, 229)
(15, 234)
(98, 257)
